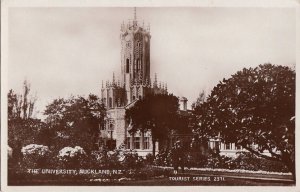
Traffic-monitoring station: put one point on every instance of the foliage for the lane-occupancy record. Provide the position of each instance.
(75, 121)
(21, 105)
(22, 132)
(132, 161)
(72, 157)
(249, 161)
(22, 127)
(34, 156)
(70, 152)
(163, 158)
(155, 113)
(35, 149)
(254, 106)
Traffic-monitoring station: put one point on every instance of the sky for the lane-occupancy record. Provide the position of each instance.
(69, 51)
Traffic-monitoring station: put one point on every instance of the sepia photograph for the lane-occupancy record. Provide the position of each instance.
(150, 96)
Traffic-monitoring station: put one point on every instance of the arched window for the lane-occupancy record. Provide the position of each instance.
(140, 97)
(111, 126)
(127, 65)
(110, 102)
(133, 97)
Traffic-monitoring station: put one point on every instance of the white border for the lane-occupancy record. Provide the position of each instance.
(6, 4)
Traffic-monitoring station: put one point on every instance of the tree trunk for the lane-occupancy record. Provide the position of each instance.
(153, 148)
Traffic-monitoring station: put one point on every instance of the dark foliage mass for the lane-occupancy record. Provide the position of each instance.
(254, 106)
(75, 121)
(157, 113)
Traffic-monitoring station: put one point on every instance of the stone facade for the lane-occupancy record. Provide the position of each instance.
(135, 83)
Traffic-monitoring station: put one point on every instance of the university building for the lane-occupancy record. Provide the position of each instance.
(135, 83)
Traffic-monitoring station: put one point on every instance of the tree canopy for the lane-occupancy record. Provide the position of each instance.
(23, 128)
(254, 106)
(75, 121)
(157, 113)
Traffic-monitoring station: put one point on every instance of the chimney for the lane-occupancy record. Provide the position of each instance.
(183, 103)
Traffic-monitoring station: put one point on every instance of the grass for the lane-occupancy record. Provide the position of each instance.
(229, 179)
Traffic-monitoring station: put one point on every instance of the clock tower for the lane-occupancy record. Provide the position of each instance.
(135, 58)
(134, 84)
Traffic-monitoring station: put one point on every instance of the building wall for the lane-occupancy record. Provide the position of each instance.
(117, 117)
(230, 149)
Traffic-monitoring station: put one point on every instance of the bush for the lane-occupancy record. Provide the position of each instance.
(72, 157)
(131, 160)
(163, 158)
(34, 156)
(249, 161)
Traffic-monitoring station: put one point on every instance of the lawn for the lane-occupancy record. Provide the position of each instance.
(189, 178)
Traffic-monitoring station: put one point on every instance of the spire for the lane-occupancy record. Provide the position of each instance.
(113, 78)
(134, 16)
(102, 84)
(155, 81)
(122, 26)
(134, 22)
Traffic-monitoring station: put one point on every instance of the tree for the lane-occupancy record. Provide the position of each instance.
(75, 121)
(156, 113)
(254, 106)
(22, 127)
(21, 105)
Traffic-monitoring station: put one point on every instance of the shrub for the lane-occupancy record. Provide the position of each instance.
(72, 157)
(131, 160)
(163, 158)
(249, 161)
(34, 156)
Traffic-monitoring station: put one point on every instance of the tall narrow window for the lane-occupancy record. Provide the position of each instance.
(128, 142)
(111, 126)
(110, 102)
(227, 146)
(137, 142)
(127, 65)
(138, 64)
(146, 143)
(238, 147)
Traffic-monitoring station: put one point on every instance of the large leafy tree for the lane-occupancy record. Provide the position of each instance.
(23, 128)
(254, 106)
(75, 121)
(156, 113)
